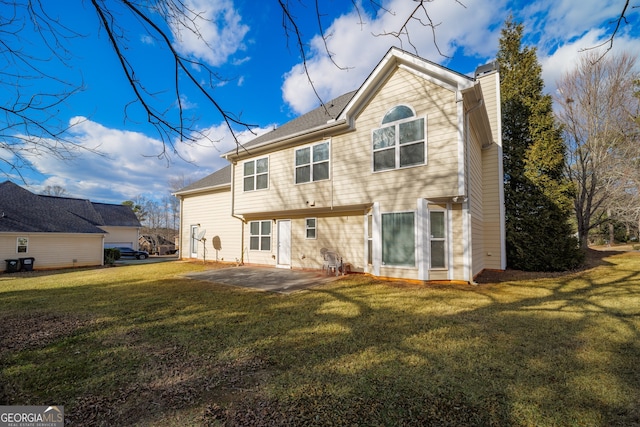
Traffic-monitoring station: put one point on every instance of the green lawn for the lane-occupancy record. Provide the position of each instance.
(140, 345)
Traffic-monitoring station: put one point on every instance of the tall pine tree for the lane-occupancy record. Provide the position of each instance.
(538, 197)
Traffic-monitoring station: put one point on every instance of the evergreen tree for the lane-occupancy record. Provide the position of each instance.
(538, 197)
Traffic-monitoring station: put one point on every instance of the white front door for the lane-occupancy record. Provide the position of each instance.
(284, 243)
(193, 242)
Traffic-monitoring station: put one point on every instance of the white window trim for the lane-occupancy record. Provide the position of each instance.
(25, 244)
(396, 106)
(415, 240)
(444, 239)
(314, 228)
(255, 174)
(311, 162)
(260, 236)
(397, 144)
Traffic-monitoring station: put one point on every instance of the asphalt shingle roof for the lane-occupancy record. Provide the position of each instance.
(23, 211)
(216, 179)
(314, 118)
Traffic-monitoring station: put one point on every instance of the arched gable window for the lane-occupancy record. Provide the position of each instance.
(400, 142)
(398, 113)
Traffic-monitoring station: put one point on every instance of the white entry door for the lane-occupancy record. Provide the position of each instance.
(284, 243)
(193, 242)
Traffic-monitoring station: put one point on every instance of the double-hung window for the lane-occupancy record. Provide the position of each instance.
(22, 245)
(256, 174)
(399, 239)
(310, 227)
(312, 163)
(400, 142)
(260, 235)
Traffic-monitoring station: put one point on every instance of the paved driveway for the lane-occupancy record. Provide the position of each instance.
(279, 280)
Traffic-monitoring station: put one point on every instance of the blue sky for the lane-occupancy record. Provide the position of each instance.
(263, 84)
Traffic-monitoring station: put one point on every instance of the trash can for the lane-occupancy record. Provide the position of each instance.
(12, 265)
(26, 264)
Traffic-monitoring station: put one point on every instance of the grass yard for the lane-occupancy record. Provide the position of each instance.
(140, 345)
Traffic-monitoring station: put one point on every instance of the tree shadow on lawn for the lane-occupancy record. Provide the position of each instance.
(550, 352)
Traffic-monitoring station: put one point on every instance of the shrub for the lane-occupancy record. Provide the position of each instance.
(111, 255)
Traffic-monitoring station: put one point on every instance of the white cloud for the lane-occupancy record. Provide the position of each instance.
(131, 163)
(147, 39)
(567, 56)
(558, 29)
(219, 31)
(469, 29)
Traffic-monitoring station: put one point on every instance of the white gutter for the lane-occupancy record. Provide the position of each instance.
(333, 126)
(200, 190)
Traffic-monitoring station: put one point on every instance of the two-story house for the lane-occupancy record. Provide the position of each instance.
(402, 177)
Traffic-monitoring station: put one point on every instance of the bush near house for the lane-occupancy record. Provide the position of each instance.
(111, 255)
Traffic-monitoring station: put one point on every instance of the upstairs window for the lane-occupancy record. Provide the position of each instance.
(312, 163)
(400, 142)
(256, 174)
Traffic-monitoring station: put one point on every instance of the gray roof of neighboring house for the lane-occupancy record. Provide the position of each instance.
(116, 215)
(100, 214)
(23, 211)
(219, 178)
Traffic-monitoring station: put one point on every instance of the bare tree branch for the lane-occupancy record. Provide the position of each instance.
(414, 16)
(621, 19)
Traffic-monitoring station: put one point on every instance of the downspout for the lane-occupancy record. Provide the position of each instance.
(233, 215)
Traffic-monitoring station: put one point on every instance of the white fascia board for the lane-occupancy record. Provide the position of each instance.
(201, 190)
(325, 130)
(396, 58)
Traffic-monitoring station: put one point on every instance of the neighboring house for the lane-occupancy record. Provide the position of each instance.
(119, 221)
(402, 177)
(156, 244)
(59, 231)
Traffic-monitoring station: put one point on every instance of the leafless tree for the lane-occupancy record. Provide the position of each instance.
(29, 120)
(598, 110)
(55, 190)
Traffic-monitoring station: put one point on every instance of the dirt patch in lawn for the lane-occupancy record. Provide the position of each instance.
(37, 330)
(594, 257)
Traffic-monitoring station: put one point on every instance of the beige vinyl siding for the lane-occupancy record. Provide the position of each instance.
(491, 206)
(353, 183)
(342, 232)
(493, 244)
(475, 200)
(124, 235)
(212, 210)
(457, 242)
(55, 250)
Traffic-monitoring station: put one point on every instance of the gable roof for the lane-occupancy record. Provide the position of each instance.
(23, 211)
(338, 114)
(116, 215)
(219, 179)
(318, 117)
